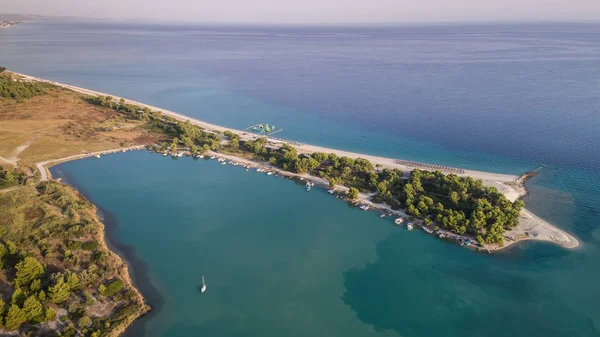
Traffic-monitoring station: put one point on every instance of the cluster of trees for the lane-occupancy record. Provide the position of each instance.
(2, 69)
(82, 271)
(17, 89)
(29, 302)
(460, 204)
(131, 110)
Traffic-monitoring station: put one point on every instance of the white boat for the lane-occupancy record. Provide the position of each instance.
(269, 173)
(307, 188)
(212, 157)
(223, 163)
(364, 207)
(399, 221)
(201, 156)
(427, 229)
(331, 191)
(382, 215)
(203, 289)
(97, 156)
(409, 227)
(165, 154)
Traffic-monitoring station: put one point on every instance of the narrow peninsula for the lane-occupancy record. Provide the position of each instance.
(58, 275)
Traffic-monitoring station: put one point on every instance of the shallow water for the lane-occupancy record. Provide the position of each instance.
(504, 98)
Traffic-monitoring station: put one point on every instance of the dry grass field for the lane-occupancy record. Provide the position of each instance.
(59, 124)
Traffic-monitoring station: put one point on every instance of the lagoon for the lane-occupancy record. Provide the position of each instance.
(279, 261)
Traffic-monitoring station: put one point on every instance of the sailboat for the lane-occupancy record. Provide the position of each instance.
(203, 289)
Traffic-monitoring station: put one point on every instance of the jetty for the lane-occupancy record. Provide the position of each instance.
(43, 166)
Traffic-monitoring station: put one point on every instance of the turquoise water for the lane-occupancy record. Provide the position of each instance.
(280, 261)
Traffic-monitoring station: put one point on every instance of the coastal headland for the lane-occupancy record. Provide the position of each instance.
(529, 227)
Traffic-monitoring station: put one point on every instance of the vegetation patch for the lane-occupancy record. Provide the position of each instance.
(53, 262)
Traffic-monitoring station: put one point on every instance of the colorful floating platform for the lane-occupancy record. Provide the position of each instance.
(264, 129)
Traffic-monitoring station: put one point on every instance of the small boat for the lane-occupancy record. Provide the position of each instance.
(409, 227)
(165, 154)
(364, 207)
(212, 157)
(203, 289)
(123, 150)
(97, 156)
(201, 156)
(307, 188)
(382, 215)
(223, 163)
(179, 154)
(331, 191)
(399, 221)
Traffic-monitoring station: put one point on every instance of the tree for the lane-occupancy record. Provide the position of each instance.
(33, 309)
(332, 182)
(235, 143)
(353, 193)
(84, 322)
(28, 270)
(14, 318)
(73, 281)
(60, 291)
(50, 314)
(194, 149)
(18, 297)
(174, 145)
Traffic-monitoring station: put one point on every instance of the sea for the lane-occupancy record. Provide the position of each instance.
(279, 261)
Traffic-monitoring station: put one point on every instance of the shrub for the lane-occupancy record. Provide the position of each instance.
(90, 245)
(111, 288)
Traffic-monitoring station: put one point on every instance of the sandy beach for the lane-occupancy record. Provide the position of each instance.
(530, 226)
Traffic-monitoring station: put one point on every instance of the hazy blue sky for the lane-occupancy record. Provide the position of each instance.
(313, 11)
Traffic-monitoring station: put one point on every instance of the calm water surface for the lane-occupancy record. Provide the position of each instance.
(283, 262)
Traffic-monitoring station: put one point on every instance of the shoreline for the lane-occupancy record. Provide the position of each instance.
(530, 226)
(136, 271)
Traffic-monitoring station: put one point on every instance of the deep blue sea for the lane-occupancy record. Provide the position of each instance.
(282, 262)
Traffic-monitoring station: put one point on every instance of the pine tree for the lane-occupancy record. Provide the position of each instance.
(15, 317)
(60, 291)
(50, 314)
(33, 308)
(28, 270)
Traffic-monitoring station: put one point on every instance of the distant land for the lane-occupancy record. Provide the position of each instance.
(9, 20)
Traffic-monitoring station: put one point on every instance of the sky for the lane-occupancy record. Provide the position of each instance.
(313, 11)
